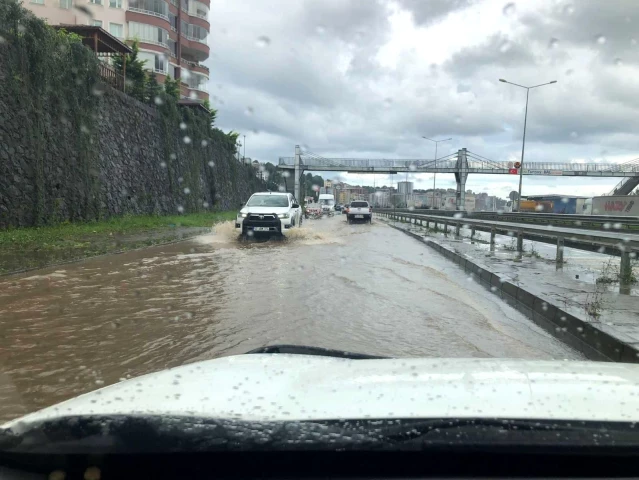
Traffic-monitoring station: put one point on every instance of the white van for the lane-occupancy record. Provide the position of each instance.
(326, 202)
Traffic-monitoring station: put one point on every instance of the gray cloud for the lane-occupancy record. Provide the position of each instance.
(326, 79)
(430, 11)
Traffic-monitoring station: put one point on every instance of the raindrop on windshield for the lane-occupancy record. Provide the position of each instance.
(412, 167)
(574, 134)
(204, 143)
(249, 111)
(569, 72)
(388, 102)
(57, 474)
(320, 29)
(569, 9)
(92, 473)
(182, 126)
(180, 209)
(187, 190)
(98, 89)
(263, 41)
(633, 41)
(186, 139)
(158, 100)
(618, 62)
(205, 204)
(458, 215)
(553, 43)
(509, 9)
(163, 164)
(211, 163)
(600, 39)
(172, 156)
(281, 188)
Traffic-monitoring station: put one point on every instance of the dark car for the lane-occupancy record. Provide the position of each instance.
(338, 208)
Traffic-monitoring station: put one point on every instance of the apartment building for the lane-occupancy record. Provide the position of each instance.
(154, 23)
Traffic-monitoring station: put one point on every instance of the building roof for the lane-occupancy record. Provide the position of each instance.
(192, 104)
(97, 39)
(551, 196)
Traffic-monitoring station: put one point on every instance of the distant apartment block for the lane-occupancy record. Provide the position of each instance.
(154, 23)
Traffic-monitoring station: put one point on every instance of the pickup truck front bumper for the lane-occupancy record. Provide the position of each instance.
(263, 224)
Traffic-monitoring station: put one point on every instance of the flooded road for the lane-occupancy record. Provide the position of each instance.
(364, 288)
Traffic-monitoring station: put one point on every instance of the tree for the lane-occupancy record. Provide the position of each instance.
(172, 87)
(153, 88)
(212, 111)
(135, 72)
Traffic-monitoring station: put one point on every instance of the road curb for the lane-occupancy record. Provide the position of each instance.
(576, 332)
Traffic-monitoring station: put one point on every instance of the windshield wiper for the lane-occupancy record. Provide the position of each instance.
(319, 351)
(513, 433)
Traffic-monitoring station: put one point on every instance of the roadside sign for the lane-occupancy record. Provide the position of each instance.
(517, 164)
(513, 171)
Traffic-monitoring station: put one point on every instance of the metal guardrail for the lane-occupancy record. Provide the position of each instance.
(610, 243)
(593, 222)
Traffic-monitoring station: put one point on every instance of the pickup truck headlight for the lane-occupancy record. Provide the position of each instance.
(283, 215)
(241, 215)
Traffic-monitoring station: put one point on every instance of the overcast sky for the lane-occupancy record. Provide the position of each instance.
(368, 78)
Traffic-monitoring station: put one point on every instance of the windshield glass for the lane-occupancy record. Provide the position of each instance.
(268, 201)
(170, 191)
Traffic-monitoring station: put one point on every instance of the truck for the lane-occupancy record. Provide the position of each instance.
(614, 205)
(326, 202)
(359, 210)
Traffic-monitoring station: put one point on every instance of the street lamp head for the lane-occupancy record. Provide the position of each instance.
(554, 81)
(502, 80)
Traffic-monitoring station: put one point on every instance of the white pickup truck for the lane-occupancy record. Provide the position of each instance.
(359, 210)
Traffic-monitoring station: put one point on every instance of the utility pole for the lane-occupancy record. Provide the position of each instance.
(523, 143)
(435, 166)
(244, 156)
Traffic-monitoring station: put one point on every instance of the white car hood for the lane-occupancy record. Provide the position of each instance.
(264, 210)
(300, 387)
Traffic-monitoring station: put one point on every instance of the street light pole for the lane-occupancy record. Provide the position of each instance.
(434, 173)
(244, 156)
(523, 143)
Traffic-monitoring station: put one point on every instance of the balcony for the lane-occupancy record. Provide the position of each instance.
(148, 12)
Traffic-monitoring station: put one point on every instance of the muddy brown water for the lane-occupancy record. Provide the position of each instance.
(364, 288)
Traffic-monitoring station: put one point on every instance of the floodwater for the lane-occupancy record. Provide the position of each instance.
(365, 288)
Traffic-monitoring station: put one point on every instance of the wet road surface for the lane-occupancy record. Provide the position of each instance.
(363, 288)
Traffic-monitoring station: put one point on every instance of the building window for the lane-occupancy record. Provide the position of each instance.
(66, 4)
(116, 29)
(149, 33)
(97, 23)
(96, 2)
(38, 2)
(115, 3)
(160, 64)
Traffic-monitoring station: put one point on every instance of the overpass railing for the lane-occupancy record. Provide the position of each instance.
(489, 166)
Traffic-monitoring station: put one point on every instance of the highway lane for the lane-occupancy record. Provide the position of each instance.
(364, 288)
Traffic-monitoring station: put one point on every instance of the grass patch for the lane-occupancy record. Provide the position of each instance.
(25, 248)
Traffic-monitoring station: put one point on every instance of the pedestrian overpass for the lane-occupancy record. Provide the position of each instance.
(461, 164)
